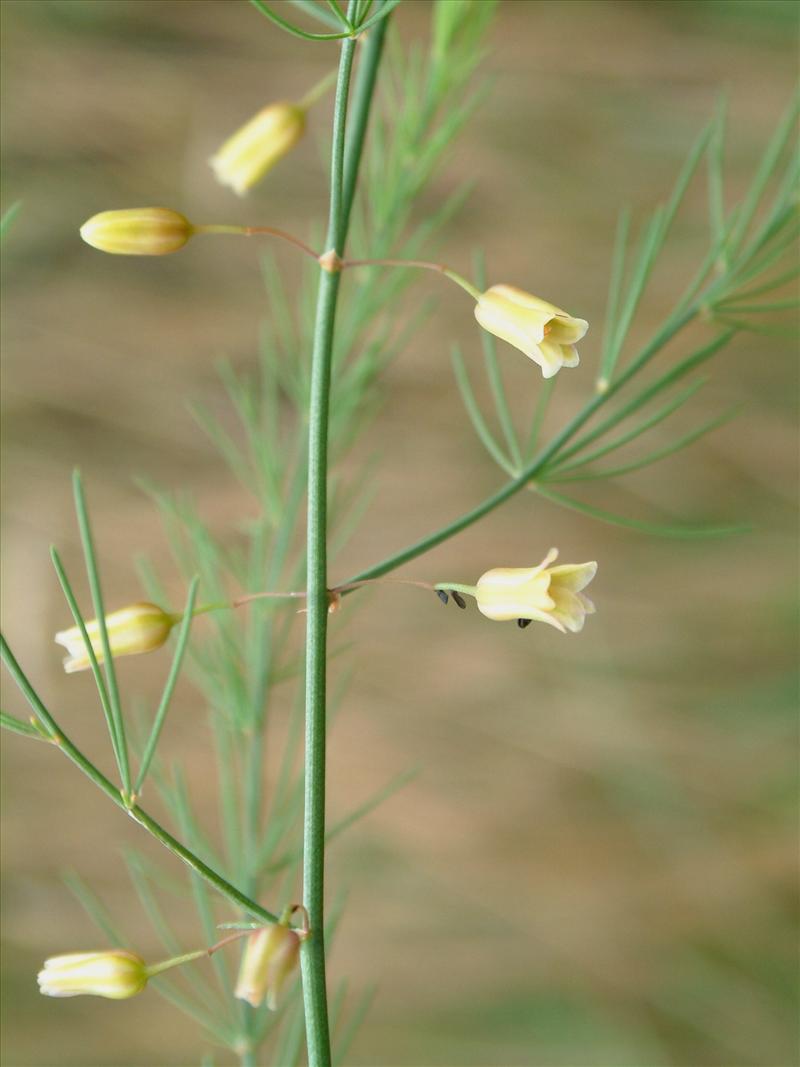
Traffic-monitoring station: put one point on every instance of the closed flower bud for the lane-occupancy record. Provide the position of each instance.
(137, 628)
(542, 594)
(545, 333)
(138, 231)
(269, 959)
(115, 974)
(246, 157)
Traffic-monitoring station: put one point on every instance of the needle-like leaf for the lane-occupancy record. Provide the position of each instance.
(655, 456)
(169, 687)
(93, 575)
(472, 408)
(17, 726)
(554, 474)
(658, 529)
(99, 680)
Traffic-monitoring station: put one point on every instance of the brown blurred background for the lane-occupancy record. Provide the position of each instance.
(597, 862)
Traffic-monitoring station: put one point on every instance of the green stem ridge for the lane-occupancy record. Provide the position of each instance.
(345, 159)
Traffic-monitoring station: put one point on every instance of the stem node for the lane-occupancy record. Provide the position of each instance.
(331, 261)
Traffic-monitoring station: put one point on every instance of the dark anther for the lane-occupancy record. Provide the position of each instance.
(458, 598)
(522, 623)
(442, 595)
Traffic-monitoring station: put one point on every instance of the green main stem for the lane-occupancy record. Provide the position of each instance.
(345, 160)
(313, 957)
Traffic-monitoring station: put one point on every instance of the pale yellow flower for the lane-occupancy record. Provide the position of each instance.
(137, 628)
(269, 958)
(115, 974)
(246, 156)
(541, 594)
(545, 333)
(138, 231)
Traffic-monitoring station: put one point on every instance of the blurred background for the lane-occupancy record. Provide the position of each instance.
(597, 861)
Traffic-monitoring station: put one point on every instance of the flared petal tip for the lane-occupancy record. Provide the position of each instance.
(250, 995)
(226, 177)
(74, 664)
(588, 605)
(588, 570)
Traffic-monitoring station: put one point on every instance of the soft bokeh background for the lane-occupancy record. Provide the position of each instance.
(596, 864)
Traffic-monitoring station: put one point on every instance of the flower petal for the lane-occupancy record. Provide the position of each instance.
(250, 152)
(565, 330)
(573, 576)
(549, 617)
(519, 326)
(551, 356)
(569, 609)
(527, 300)
(570, 355)
(588, 605)
(501, 605)
(514, 593)
(511, 577)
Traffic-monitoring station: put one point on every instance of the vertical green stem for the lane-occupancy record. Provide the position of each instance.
(345, 159)
(313, 956)
(359, 114)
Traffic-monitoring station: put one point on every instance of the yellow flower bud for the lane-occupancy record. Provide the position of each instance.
(137, 628)
(269, 958)
(545, 333)
(246, 157)
(115, 974)
(542, 594)
(138, 231)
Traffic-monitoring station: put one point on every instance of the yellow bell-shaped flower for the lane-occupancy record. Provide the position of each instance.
(116, 974)
(137, 628)
(137, 231)
(269, 958)
(544, 332)
(254, 149)
(541, 594)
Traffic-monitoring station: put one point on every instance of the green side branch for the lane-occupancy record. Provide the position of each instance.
(57, 737)
(742, 262)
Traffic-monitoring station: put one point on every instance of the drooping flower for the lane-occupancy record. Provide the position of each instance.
(137, 628)
(116, 974)
(138, 231)
(542, 594)
(544, 332)
(256, 147)
(269, 958)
